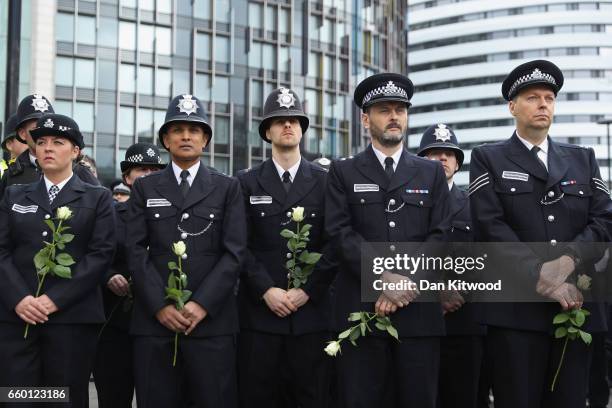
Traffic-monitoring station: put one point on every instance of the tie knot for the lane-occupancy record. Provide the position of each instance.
(286, 177)
(535, 149)
(53, 189)
(53, 192)
(184, 175)
(389, 161)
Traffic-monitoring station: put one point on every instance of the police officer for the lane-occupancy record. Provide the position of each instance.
(66, 315)
(530, 188)
(25, 169)
(386, 194)
(204, 208)
(113, 369)
(461, 350)
(283, 329)
(10, 143)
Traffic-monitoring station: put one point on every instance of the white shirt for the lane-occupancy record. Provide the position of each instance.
(32, 159)
(542, 154)
(193, 170)
(49, 183)
(395, 156)
(292, 170)
(450, 185)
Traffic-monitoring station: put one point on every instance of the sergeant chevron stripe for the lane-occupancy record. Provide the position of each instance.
(478, 182)
(601, 185)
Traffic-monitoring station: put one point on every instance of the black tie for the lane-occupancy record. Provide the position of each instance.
(535, 150)
(286, 181)
(389, 167)
(184, 186)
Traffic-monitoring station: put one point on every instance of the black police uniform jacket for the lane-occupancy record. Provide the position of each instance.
(362, 206)
(23, 210)
(466, 320)
(268, 209)
(22, 171)
(514, 199)
(213, 210)
(118, 309)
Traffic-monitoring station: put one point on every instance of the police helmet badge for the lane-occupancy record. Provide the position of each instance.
(150, 152)
(39, 103)
(187, 105)
(442, 133)
(285, 98)
(48, 123)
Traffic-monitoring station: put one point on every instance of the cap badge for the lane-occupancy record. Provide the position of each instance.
(442, 133)
(285, 98)
(187, 105)
(39, 103)
(150, 152)
(64, 128)
(48, 123)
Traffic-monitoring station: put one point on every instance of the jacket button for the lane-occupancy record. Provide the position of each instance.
(551, 218)
(551, 193)
(392, 224)
(467, 227)
(184, 235)
(262, 213)
(362, 201)
(288, 255)
(156, 215)
(513, 189)
(392, 248)
(391, 202)
(288, 214)
(212, 215)
(420, 202)
(47, 216)
(44, 233)
(185, 216)
(313, 215)
(581, 192)
(553, 242)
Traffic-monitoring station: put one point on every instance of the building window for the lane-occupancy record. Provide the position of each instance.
(64, 73)
(127, 78)
(127, 32)
(86, 30)
(145, 38)
(84, 113)
(201, 9)
(181, 82)
(126, 121)
(85, 70)
(203, 46)
(220, 90)
(64, 27)
(222, 130)
(222, 49)
(163, 40)
(202, 86)
(255, 16)
(145, 80)
(107, 33)
(163, 82)
(107, 75)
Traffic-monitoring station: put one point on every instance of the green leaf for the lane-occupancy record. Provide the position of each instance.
(585, 312)
(172, 266)
(380, 326)
(344, 334)
(305, 228)
(302, 245)
(354, 334)
(40, 258)
(60, 245)
(173, 293)
(64, 259)
(171, 282)
(183, 280)
(66, 238)
(572, 329)
(287, 234)
(393, 332)
(362, 328)
(62, 271)
(586, 337)
(51, 225)
(560, 332)
(290, 264)
(292, 245)
(313, 258)
(355, 316)
(561, 318)
(353, 342)
(185, 296)
(580, 318)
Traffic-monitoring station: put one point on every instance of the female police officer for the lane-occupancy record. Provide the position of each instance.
(64, 319)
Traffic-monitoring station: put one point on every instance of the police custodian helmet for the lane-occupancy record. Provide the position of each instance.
(185, 108)
(32, 107)
(440, 136)
(282, 103)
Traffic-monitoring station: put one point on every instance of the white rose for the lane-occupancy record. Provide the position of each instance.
(179, 248)
(63, 213)
(298, 214)
(333, 347)
(584, 282)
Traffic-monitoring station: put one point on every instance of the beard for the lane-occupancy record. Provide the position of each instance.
(386, 138)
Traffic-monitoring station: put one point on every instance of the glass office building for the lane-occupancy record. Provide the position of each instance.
(117, 63)
(460, 51)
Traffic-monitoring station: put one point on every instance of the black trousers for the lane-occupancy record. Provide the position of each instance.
(524, 364)
(382, 372)
(460, 367)
(283, 371)
(113, 369)
(599, 389)
(204, 375)
(53, 355)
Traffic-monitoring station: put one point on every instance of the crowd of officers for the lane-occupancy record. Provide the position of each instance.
(248, 339)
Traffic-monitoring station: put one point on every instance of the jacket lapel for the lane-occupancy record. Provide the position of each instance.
(519, 154)
(557, 164)
(404, 172)
(70, 192)
(368, 165)
(271, 183)
(201, 187)
(168, 187)
(37, 193)
(458, 201)
(301, 186)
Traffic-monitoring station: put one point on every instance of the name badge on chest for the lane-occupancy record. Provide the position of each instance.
(23, 209)
(363, 188)
(515, 175)
(158, 202)
(260, 199)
